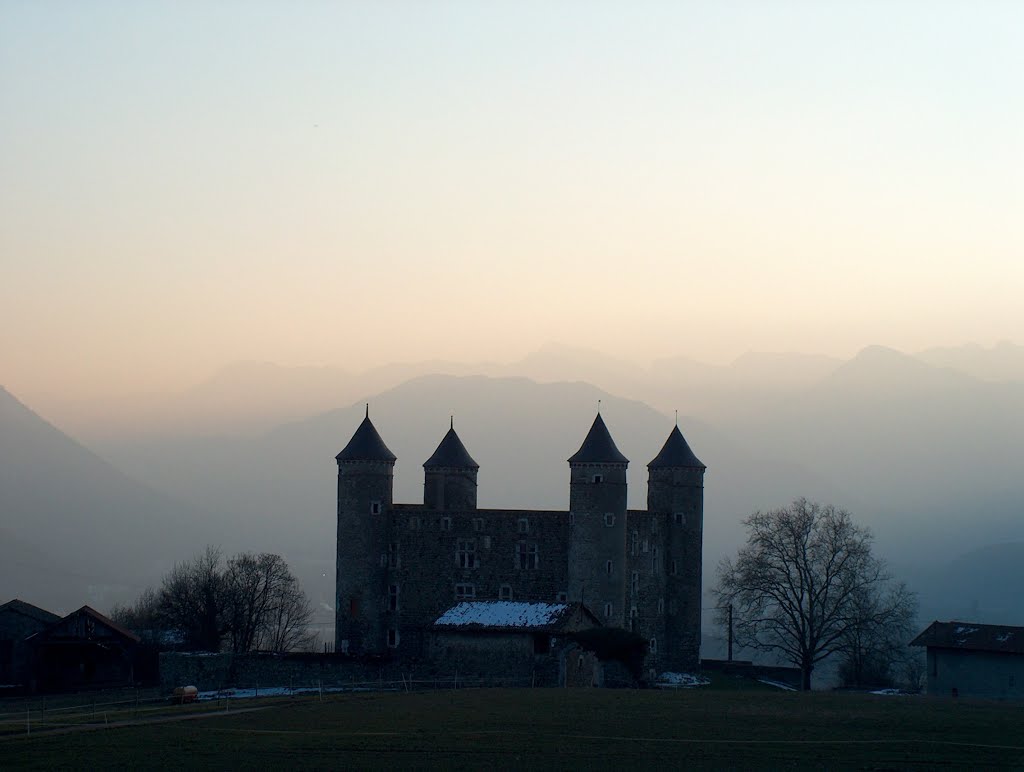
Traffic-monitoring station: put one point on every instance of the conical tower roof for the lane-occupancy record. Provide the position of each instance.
(676, 453)
(451, 453)
(598, 447)
(366, 445)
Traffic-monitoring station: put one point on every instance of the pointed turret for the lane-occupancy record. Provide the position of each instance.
(366, 445)
(676, 453)
(365, 489)
(598, 447)
(449, 479)
(451, 453)
(597, 525)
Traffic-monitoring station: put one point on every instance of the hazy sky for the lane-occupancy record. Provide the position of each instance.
(188, 184)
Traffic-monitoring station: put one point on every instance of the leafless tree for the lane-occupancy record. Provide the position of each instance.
(875, 641)
(192, 600)
(254, 602)
(266, 608)
(799, 585)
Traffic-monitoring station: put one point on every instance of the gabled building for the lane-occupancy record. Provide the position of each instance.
(84, 650)
(18, 622)
(968, 659)
(401, 566)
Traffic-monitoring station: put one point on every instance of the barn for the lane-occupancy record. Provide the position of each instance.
(967, 659)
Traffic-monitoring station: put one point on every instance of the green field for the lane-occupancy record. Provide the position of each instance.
(552, 728)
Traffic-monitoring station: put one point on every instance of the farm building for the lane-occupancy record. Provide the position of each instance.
(974, 660)
(84, 650)
(18, 621)
(510, 639)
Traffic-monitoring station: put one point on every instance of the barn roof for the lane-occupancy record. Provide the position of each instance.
(451, 453)
(508, 615)
(676, 453)
(970, 636)
(598, 447)
(28, 610)
(366, 445)
(66, 629)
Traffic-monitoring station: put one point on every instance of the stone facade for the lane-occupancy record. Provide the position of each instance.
(399, 566)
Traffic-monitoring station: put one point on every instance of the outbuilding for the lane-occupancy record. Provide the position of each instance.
(513, 640)
(967, 659)
(18, 622)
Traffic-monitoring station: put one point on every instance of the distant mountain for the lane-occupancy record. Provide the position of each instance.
(933, 455)
(1002, 362)
(73, 529)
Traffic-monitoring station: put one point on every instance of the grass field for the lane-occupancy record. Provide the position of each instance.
(554, 728)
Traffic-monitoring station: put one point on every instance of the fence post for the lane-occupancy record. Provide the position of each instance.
(28, 721)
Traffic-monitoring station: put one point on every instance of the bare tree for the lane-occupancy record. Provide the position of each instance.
(192, 600)
(267, 609)
(875, 641)
(253, 603)
(797, 584)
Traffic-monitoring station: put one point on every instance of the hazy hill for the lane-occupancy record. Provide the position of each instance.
(1002, 362)
(73, 529)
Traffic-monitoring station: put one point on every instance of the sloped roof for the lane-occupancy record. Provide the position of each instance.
(366, 445)
(65, 626)
(27, 609)
(676, 453)
(969, 636)
(451, 453)
(506, 615)
(598, 447)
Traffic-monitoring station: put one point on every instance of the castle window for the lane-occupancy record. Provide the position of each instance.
(635, 543)
(654, 645)
(393, 559)
(392, 597)
(654, 525)
(446, 523)
(383, 560)
(524, 525)
(562, 597)
(609, 519)
(634, 583)
(598, 478)
(675, 566)
(415, 523)
(661, 605)
(374, 507)
(679, 518)
(654, 561)
(572, 518)
(633, 614)
(392, 638)
(344, 645)
(465, 591)
(505, 593)
(646, 546)
(607, 610)
(465, 555)
(527, 556)
(478, 524)
(608, 566)
(487, 542)
(672, 607)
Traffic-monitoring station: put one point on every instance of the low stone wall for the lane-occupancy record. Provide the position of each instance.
(219, 671)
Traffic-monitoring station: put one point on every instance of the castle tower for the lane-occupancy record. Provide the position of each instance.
(365, 485)
(675, 494)
(597, 530)
(450, 476)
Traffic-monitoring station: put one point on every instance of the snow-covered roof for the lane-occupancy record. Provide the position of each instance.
(504, 614)
(972, 637)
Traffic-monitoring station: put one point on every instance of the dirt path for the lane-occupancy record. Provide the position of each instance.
(45, 732)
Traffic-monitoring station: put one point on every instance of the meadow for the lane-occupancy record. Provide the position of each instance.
(711, 728)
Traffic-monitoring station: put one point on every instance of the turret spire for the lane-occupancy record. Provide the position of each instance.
(598, 447)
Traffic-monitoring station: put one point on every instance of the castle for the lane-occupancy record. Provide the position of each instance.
(400, 566)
